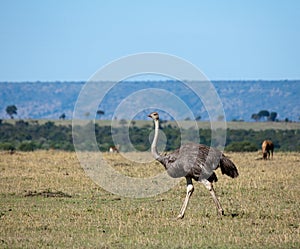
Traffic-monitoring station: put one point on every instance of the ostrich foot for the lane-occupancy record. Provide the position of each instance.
(220, 212)
(180, 216)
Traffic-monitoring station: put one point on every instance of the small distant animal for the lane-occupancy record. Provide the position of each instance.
(193, 161)
(267, 147)
(12, 151)
(113, 149)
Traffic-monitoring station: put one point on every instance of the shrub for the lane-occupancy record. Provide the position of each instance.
(241, 146)
(27, 146)
(7, 146)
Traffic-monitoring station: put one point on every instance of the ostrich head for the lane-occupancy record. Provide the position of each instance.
(154, 116)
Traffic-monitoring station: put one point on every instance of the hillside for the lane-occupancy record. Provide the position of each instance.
(240, 99)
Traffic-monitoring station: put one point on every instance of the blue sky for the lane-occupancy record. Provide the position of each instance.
(69, 40)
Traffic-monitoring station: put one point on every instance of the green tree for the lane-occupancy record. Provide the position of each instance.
(272, 116)
(255, 116)
(263, 113)
(241, 146)
(100, 113)
(11, 110)
(198, 118)
(62, 116)
(27, 146)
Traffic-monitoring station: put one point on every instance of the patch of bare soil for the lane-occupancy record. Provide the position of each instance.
(47, 194)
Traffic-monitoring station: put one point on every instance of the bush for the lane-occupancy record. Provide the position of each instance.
(7, 146)
(244, 146)
(27, 146)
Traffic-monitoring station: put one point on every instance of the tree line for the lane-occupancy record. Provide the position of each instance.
(30, 136)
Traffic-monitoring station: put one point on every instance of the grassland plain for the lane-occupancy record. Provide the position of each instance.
(47, 201)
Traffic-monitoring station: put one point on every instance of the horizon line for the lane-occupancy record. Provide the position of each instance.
(148, 80)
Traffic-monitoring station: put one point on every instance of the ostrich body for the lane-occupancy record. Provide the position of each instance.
(193, 161)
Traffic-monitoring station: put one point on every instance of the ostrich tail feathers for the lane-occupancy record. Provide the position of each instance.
(228, 167)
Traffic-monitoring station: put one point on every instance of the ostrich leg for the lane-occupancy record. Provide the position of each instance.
(189, 191)
(209, 186)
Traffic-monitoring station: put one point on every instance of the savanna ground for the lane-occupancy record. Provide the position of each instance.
(47, 201)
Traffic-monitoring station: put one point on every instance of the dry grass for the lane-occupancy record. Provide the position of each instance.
(47, 201)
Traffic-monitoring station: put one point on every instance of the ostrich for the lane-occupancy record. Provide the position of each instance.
(193, 161)
(267, 146)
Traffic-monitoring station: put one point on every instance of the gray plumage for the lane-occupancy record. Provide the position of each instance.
(197, 161)
(193, 161)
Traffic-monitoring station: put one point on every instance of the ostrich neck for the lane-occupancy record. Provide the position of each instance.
(154, 142)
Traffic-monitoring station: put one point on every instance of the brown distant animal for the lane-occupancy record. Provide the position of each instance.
(113, 149)
(267, 146)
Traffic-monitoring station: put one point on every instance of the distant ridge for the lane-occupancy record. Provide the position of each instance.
(241, 99)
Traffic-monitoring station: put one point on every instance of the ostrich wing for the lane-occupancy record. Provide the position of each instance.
(193, 160)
